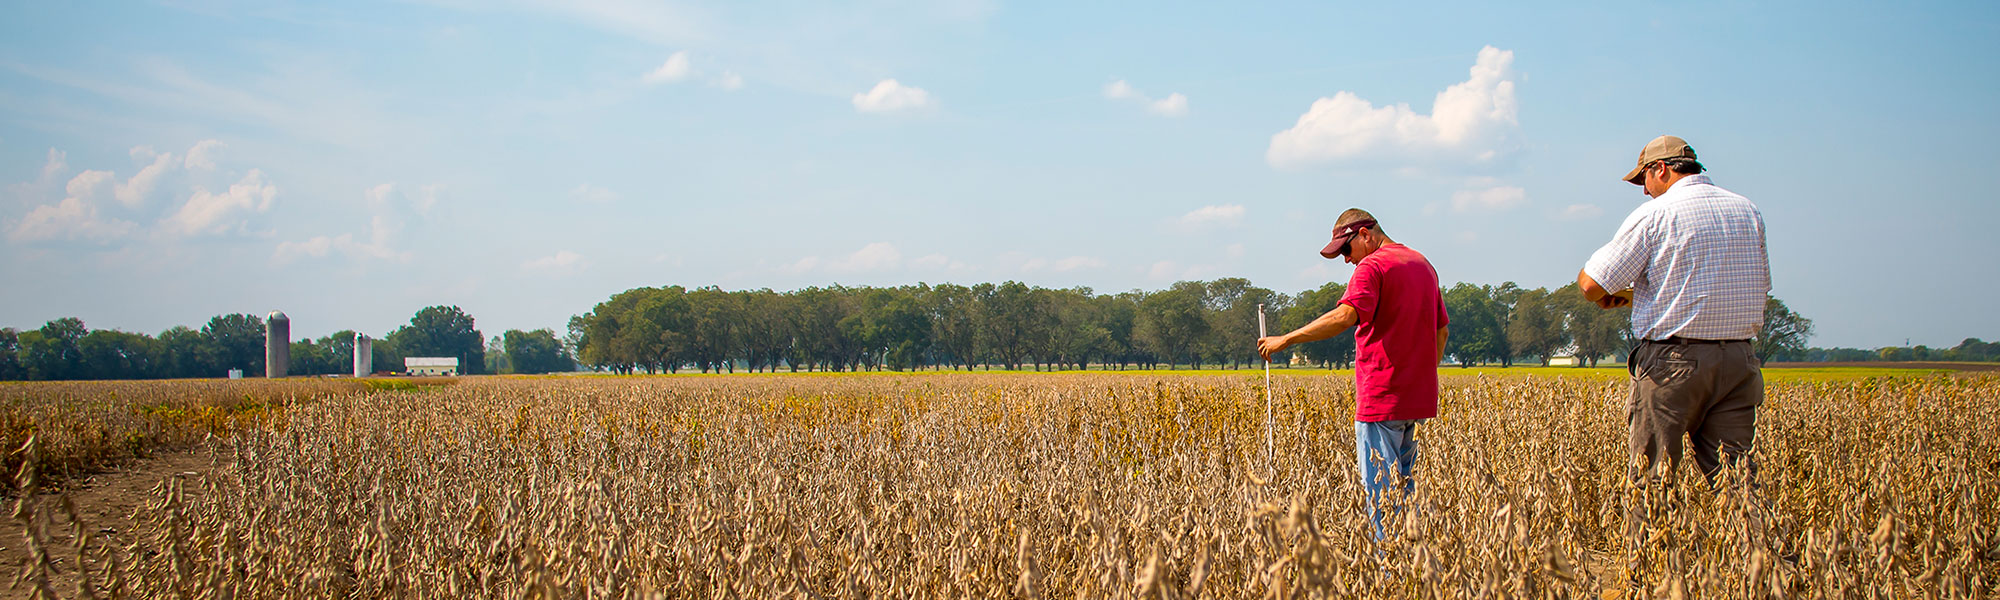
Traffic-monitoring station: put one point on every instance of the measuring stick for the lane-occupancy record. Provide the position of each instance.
(1267, 389)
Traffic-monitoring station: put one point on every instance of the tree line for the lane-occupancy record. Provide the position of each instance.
(65, 349)
(1012, 325)
(1008, 325)
(1968, 350)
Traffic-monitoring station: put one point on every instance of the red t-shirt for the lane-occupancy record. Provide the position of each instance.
(1395, 293)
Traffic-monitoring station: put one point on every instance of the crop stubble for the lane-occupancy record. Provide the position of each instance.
(1076, 485)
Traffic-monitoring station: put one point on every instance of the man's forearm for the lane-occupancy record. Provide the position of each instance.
(1326, 326)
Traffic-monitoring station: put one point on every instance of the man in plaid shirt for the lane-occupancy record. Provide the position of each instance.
(1694, 260)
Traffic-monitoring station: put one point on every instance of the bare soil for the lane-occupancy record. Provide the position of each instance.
(106, 502)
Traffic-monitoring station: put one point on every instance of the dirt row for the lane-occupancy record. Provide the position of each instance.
(105, 502)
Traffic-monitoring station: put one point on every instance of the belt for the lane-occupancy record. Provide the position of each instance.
(1681, 341)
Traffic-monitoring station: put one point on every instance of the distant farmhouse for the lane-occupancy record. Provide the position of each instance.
(425, 365)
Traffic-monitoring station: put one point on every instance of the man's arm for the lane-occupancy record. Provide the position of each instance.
(1597, 294)
(1443, 334)
(1326, 326)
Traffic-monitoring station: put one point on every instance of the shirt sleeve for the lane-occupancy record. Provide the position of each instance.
(1619, 264)
(1363, 291)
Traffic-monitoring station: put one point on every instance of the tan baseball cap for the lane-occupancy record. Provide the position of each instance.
(1661, 148)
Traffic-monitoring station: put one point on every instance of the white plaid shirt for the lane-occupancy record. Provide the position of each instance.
(1695, 260)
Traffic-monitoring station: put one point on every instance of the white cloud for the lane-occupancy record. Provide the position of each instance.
(384, 197)
(201, 157)
(1320, 272)
(1467, 237)
(676, 69)
(211, 213)
(1469, 121)
(84, 185)
(890, 96)
(75, 216)
(872, 257)
(1118, 90)
(878, 256)
(1234, 251)
(56, 164)
(1580, 211)
(133, 193)
(561, 261)
(426, 197)
(1077, 263)
(1061, 265)
(1222, 214)
(375, 247)
(728, 81)
(939, 262)
(1174, 105)
(591, 194)
(1495, 198)
(1168, 270)
(378, 196)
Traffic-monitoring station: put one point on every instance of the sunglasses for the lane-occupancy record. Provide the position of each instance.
(1348, 246)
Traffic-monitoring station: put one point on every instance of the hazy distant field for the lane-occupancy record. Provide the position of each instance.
(1014, 485)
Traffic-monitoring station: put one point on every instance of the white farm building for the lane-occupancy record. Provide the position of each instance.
(426, 365)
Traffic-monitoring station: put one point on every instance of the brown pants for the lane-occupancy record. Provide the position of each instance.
(1707, 391)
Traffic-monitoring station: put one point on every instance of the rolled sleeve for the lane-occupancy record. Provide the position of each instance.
(1618, 264)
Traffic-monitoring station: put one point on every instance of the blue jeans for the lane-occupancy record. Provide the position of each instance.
(1378, 445)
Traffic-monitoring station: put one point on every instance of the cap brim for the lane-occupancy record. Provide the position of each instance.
(1637, 176)
(1332, 250)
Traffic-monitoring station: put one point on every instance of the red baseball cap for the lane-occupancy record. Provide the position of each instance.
(1342, 235)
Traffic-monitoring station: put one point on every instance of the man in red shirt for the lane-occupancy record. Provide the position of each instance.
(1394, 304)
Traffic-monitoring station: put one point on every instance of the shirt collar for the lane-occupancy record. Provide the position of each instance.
(1695, 179)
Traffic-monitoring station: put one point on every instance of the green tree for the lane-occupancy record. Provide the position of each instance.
(111, 354)
(497, 359)
(185, 352)
(1232, 308)
(1011, 323)
(712, 333)
(1536, 326)
(54, 352)
(10, 356)
(766, 328)
(1334, 352)
(954, 323)
(535, 351)
(443, 331)
(1172, 321)
(1504, 297)
(892, 325)
(1475, 324)
(1784, 332)
(1970, 349)
(1079, 334)
(1119, 315)
(235, 341)
(1595, 332)
(318, 358)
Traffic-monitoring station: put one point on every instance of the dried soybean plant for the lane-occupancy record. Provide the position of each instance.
(1072, 486)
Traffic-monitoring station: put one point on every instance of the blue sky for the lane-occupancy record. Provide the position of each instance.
(349, 163)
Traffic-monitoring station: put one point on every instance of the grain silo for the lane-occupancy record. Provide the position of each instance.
(364, 355)
(277, 344)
